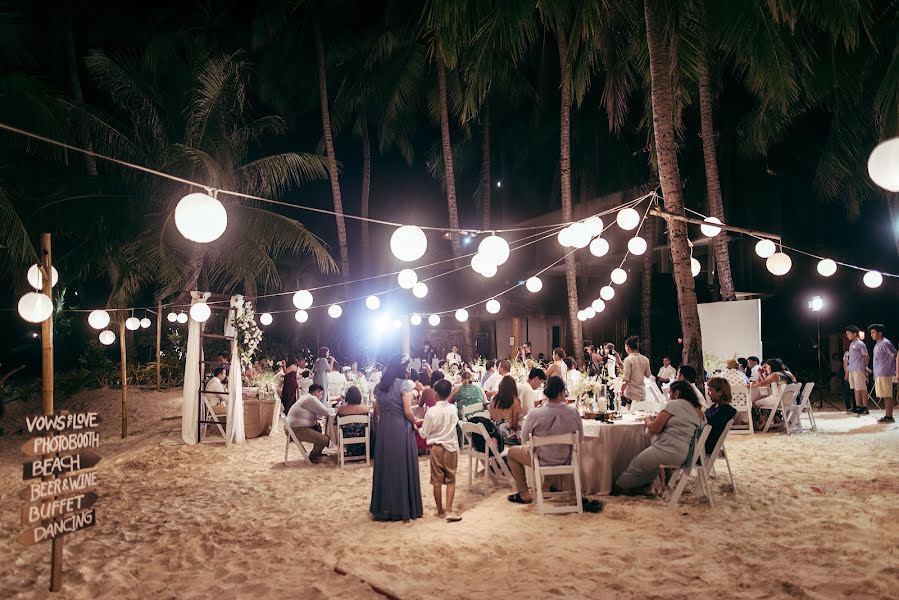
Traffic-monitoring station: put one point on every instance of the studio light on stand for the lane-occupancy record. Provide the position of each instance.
(815, 305)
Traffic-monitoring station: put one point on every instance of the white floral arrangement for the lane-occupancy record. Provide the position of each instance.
(586, 386)
(248, 334)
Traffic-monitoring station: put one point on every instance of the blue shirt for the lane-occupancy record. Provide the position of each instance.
(884, 358)
(857, 353)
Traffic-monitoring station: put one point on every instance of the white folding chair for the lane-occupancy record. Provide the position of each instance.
(649, 406)
(682, 473)
(787, 406)
(469, 411)
(775, 402)
(805, 406)
(293, 438)
(654, 394)
(490, 457)
(742, 404)
(343, 442)
(573, 468)
(708, 462)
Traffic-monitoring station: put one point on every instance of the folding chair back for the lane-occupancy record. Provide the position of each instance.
(789, 407)
(490, 456)
(708, 462)
(468, 411)
(291, 437)
(742, 404)
(681, 474)
(805, 406)
(343, 442)
(781, 398)
(573, 468)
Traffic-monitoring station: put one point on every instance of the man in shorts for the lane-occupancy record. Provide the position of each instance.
(439, 428)
(856, 373)
(884, 369)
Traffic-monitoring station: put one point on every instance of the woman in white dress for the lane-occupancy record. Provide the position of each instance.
(558, 368)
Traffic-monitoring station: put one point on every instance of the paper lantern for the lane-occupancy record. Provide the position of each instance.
(36, 279)
(607, 292)
(710, 230)
(565, 238)
(415, 319)
(590, 312)
(488, 271)
(302, 300)
(372, 303)
(594, 226)
(494, 249)
(598, 305)
(581, 316)
(765, 248)
(580, 235)
(873, 279)
(133, 323)
(477, 263)
(493, 306)
(627, 218)
(619, 276)
(107, 337)
(636, 246)
(779, 264)
(461, 315)
(883, 164)
(200, 218)
(420, 289)
(407, 279)
(408, 243)
(35, 307)
(301, 316)
(171, 317)
(182, 317)
(199, 312)
(534, 284)
(265, 318)
(434, 320)
(334, 311)
(145, 323)
(599, 247)
(695, 267)
(827, 267)
(98, 319)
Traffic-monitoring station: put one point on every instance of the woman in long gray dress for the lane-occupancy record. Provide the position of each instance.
(395, 486)
(674, 431)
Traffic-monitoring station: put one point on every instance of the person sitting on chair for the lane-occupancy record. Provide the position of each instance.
(353, 406)
(720, 412)
(688, 374)
(218, 393)
(303, 420)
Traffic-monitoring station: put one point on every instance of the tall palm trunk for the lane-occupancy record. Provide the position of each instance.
(450, 177)
(332, 159)
(713, 182)
(565, 177)
(649, 234)
(366, 187)
(669, 176)
(485, 169)
(75, 83)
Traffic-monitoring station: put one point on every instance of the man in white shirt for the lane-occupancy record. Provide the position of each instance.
(636, 370)
(303, 417)
(667, 373)
(529, 393)
(217, 392)
(454, 358)
(491, 386)
(439, 429)
(489, 370)
(753, 362)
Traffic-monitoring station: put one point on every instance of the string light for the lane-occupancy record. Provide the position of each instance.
(265, 318)
(710, 230)
(461, 315)
(420, 289)
(36, 277)
(99, 319)
(598, 305)
(779, 264)
(408, 243)
(415, 319)
(35, 307)
(434, 320)
(334, 311)
(182, 317)
(145, 323)
(201, 218)
(301, 316)
(599, 247)
(407, 279)
(618, 276)
(827, 267)
(106, 337)
(303, 299)
(627, 218)
(493, 306)
(133, 323)
(372, 303)
(171, 317)
(873, 279)
(534, 284)
(765, 248)
(607, 292)
(636, 246)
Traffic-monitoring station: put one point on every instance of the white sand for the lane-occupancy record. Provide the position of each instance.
(815, 518)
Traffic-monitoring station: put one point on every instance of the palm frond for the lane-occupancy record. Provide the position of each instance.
(273, 175)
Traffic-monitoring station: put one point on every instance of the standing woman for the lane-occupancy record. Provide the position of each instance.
(320, 369)
(558, 368)
(290, 387)
(395, 486)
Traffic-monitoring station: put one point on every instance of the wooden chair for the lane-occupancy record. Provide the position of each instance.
(343, 442)
(682, 473)
(293, 438)
(573, 468)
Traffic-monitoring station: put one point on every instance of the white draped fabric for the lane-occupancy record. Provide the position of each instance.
(234, 431)
(192, 381)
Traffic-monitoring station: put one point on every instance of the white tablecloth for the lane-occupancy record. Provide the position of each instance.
(607, 450)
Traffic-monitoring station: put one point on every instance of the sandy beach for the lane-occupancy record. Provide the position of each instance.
(815, 518)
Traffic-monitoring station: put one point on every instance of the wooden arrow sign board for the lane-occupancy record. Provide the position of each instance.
(69, 524)
(49, 510)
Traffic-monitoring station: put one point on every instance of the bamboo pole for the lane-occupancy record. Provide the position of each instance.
(158, 344)
(752, 232)
(124, 376)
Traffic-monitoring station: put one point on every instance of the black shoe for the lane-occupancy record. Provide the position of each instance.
(863, 410)
(856, 410)
(886, 420)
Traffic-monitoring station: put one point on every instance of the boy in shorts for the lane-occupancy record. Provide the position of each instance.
(439, 428)
(856, 373)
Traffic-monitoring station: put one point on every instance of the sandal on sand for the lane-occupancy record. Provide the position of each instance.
(452, 517)
(517, 499)
(592, 506)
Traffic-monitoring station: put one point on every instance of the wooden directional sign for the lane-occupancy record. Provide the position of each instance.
(56, 508)
(67, 442)
(57, 465)
(77, 482)
(68, 524)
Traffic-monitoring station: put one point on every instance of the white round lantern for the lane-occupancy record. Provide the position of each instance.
(873, 279)
(779, 264)
(695, 267)
(477, 263)
(133, 323)
(171, 317)
(408, 243)
(182, 318)
(636, 246)
(599, 247)
(827, 267)
(765, 248)
(200, 218)
(265, 319)
(534, 284)
(301, 316)
(581, 316)
(199, 312)
(35, 307)
(580, 235)
(565, 237)
(98, 319)
(883, 164)
(407, 279)
(420, 289)
(607, 292)
(334, 311)
(594, 226)
(627, 218)
(372, 303)
(598, 305)
(488, 271)
(494, 249)
(434, 320)
(493, 306)
(619, 276)
(36, 279)
(461, 315)
(415, 319)
(107, 337)
(590, 312)
(710, 230)
(302, 300)
(145, 323)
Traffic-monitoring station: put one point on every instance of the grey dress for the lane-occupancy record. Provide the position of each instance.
(395, 486)
(668, 447)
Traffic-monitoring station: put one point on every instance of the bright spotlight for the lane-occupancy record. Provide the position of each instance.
(816, 304)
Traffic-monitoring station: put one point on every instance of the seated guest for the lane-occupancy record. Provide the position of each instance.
(667, 373)
(304, 380)
(337, 382)
(529, 392)
(673, 433)
(773, 371)
(688, 374)
(290, 389)
(753, 368)
(467, 394)
(720, 412)
(353, 406)
(734, 374)
(303, 420)
(505, 411)
(553, 418)
(416, 380)
(491, 386)
(489, 368)
(217, 392)
(744, 366)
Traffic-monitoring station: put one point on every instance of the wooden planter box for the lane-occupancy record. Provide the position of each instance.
(258, 414)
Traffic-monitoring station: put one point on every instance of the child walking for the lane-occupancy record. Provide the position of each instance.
(439, 428)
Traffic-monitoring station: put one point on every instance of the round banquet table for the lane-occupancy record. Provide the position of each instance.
(607, 450)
